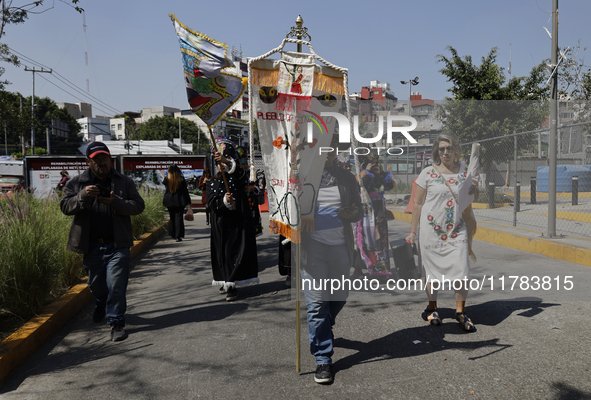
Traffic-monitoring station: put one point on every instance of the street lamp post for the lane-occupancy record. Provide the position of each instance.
(410, 82)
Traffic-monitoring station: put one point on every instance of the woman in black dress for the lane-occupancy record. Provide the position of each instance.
(233, 244)
(176, 198)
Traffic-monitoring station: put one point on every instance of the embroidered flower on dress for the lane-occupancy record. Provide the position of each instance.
(444, 237)
(430, 217)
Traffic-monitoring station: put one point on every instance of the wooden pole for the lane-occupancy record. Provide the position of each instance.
(298, 32)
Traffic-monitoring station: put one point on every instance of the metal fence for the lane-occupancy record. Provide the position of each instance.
(515, 181)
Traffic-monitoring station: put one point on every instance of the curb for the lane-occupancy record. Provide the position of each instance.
(485, 206)
(545, 247)
(573, 216)
(16, 348)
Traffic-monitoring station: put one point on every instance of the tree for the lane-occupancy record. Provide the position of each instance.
(6, 56)
(486, 105)
(574, 84)
(167, 128)
(18, 122)
(17, 14)
(574, 77)
(14, 120)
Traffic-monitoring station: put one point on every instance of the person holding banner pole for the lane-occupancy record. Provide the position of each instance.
(233, 244)
(329, 251)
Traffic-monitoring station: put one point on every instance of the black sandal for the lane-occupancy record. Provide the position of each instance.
(465, 322)
(432, 316)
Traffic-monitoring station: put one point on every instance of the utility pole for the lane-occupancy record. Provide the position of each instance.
(86, 52)
(180, 138)
(22, 132)
(410, 82)
(33, 108)
(48, 141)
(553, 125)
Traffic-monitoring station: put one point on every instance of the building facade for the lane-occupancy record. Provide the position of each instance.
(78, 110)
(159, 111)
(94, 129)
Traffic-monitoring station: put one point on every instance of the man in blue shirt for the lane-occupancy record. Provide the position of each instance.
(329, 254)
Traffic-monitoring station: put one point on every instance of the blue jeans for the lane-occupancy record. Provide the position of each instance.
(108, 273)
(324, 262)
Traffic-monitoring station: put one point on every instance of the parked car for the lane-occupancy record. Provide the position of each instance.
(9, 184)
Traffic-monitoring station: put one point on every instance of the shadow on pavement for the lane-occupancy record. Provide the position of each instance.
(567, 392)
(432, 339)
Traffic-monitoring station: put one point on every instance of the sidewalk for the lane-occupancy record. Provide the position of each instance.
(492, 228)
(186, 342)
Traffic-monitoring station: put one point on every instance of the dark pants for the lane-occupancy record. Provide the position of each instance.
(177, 225)
(108, 273)
(324, 263)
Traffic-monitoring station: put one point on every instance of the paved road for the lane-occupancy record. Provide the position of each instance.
(186, 342)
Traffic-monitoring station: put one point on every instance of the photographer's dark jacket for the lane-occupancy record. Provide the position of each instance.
(126, 202)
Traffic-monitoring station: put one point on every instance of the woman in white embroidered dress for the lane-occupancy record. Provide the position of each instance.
(443, 241)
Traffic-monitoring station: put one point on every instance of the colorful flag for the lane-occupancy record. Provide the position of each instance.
(288, 97)
(210, 90)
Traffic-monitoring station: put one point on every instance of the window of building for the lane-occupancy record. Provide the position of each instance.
(119, 126)
(113, 126)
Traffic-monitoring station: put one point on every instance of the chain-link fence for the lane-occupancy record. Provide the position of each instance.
(515, 181)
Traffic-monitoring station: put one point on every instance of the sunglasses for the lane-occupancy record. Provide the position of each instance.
(448, 148)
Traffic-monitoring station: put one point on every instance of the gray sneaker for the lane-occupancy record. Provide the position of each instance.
(323, 374)
(118, 333)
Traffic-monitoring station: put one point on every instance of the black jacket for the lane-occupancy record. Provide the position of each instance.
(127, 202)
(180, 198)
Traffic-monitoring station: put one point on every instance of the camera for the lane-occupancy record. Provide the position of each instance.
(104, 191)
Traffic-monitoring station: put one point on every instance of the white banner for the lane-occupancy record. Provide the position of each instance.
(289, 96)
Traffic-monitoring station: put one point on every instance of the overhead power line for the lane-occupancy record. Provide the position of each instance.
(71, 85)
(77, 98)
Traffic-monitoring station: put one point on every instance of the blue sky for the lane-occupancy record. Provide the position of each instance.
(135, 61)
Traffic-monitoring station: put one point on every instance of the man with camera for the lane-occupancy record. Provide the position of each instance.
(102, 201)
